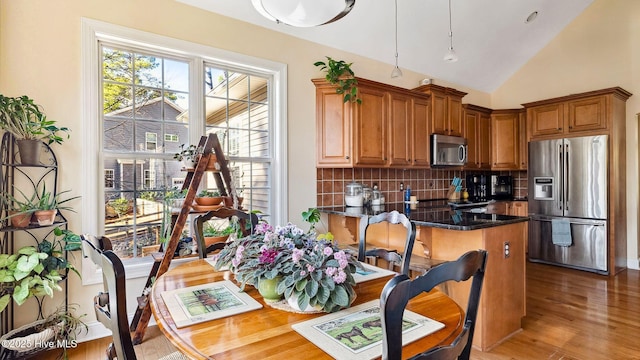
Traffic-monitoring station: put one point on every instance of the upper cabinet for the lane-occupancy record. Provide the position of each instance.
(506, 140)
(389, 128)
(574, 115)
(446, 109)
(476, 121)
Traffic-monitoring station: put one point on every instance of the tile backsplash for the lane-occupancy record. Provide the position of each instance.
(424, 183)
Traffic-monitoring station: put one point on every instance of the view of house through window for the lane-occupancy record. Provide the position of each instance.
(146, 119)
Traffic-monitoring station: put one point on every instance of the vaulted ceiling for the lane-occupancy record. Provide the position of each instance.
(491, 37)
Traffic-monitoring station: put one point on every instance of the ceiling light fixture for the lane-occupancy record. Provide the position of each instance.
(303, 13)
(531, 17)
(396, 70)
(451, 55)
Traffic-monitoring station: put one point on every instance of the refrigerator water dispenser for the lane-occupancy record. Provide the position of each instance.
(543, 188)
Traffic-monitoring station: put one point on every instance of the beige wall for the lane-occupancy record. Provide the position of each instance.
(599, 49)
(40, 56)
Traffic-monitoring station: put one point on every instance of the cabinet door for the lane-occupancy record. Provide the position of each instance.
(370, 126)
(523, 142)
(333, 129)
(498, 207)
(484, 141)
(519, 208)
(587, 114)
(504, 152)
(400, 129)
(421, 116)
(546, 119)
(454, 113)
(439, 114)
(471, 133)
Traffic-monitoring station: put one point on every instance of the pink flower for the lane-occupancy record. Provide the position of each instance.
(296, 255)
(303, 273)
(331, 271)
(340, 277)
(343, 263)
(310, 268)
(327, 251)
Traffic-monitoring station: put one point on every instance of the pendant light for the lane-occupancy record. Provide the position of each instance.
(303, 13)
(396, 70)
(451, 55)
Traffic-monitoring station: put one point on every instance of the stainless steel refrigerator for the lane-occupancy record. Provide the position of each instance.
(568, 202)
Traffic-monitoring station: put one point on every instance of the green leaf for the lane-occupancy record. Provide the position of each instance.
(27, 250)
(300, 285)
(21, 292)
(6, 276)
(340, 297)
(311, 289)
(4, 301)
(303, 300)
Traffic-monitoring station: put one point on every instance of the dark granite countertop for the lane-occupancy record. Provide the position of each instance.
(433, 214)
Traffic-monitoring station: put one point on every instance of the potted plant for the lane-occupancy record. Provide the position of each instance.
(59, 328)
(19, 211)
(49, 204)
(217, 232)
(26, 121)
(208, 197)
(36, 270)
(340, 74)
(187, 155)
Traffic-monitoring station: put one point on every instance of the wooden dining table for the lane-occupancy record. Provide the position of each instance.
(266, 333)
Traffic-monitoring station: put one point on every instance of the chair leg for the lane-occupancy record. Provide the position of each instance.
(111, 352)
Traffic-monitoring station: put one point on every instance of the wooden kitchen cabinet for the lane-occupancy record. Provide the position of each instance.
(574, 115)
(389, 128)
(446, 109)
(477, 131)
(518, 208)
(350, 134)
(505, 137)
(523, 141)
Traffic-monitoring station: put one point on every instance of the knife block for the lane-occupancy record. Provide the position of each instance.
(453, 194)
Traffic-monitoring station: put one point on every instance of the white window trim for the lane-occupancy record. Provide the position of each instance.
(92, 31)
(147, 142)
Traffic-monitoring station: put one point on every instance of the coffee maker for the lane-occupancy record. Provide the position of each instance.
(477, 187)
(502, 187)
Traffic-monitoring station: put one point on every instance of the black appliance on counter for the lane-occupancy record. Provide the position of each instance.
(477, 187)
(501, 187)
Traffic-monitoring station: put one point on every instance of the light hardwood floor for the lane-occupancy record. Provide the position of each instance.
(570, 315)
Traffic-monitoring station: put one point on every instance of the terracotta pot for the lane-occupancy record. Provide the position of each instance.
(45, 217)
(20, 220)
(210, 240)
(208, 201)
(228, 201)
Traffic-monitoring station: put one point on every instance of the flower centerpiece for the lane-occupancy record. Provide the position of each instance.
(310, 269)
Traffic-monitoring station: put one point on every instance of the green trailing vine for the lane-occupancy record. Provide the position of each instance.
(340, 74)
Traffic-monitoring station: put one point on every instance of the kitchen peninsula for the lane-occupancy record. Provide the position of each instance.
(445, 234)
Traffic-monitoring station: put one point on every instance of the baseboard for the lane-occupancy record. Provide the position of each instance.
(96, 330)
(633, 264)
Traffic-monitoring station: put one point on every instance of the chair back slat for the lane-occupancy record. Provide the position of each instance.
(399, 290)
(392, 217)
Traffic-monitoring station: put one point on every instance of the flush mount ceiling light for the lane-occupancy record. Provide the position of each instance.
(396, 70)
(451, 55)
(303, 13)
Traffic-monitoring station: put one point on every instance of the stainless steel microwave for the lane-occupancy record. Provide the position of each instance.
(448, 150)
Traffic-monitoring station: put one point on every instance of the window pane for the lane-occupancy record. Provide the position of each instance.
(258, 89)
(259, 117)
(259, 144)
(176, 105)
(117, 65)
(117, 134)
(116, 98)
(176, 75)
(148, 71)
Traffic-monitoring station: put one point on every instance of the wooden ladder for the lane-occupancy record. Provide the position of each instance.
(207, 146)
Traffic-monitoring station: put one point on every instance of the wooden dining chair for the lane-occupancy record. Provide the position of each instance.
(247, 222)
(111, 305)
(399, 290)
(391, 256)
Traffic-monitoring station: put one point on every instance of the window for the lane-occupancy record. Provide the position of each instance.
(151, 141)
(149, 106)
(108, 178)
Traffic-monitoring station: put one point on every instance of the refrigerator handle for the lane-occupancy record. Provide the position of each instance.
(566, 177)
(561, 180)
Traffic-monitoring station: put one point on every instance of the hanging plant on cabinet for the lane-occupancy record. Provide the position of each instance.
(340, 74)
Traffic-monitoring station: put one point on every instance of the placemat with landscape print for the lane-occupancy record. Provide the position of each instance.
(355, 333)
